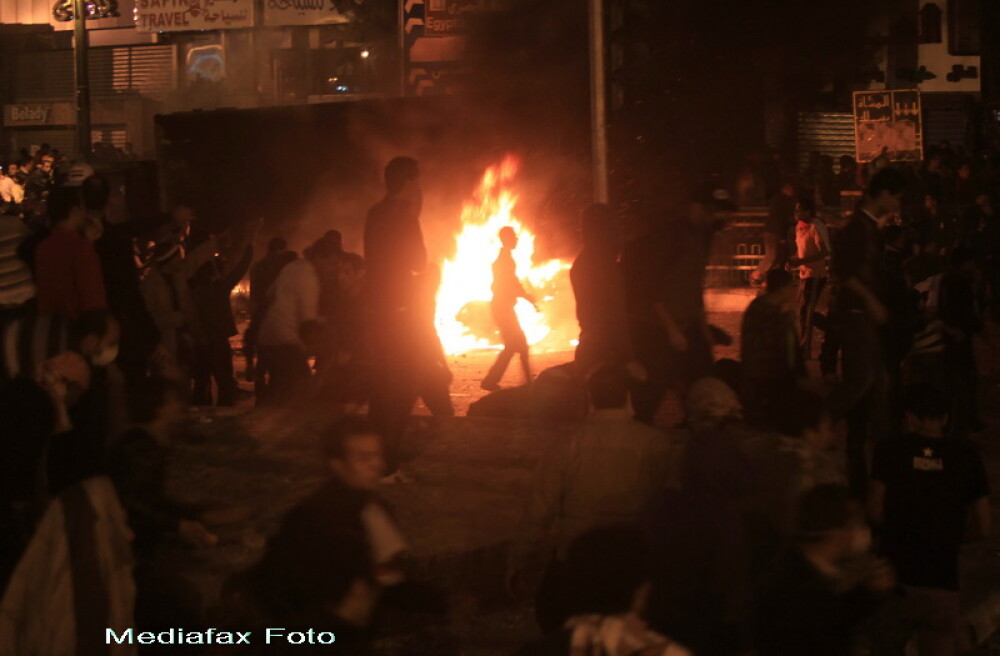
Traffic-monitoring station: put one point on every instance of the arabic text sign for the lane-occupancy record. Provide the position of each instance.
(302, 12)
(451, 17)
(181, 15)
(888, 122)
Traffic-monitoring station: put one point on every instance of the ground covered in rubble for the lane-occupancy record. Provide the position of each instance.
(459, 514)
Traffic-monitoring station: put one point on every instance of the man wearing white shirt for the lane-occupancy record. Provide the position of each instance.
(812, 243)
(293, 304)
(10, 191)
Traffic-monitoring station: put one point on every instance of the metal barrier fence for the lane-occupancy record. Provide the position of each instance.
(738, 249)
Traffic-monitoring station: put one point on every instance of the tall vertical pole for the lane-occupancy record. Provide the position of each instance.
(82, 80)
(598, 102)
(402, 48)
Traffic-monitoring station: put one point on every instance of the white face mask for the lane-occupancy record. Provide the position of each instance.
(861, 541)
(104, 357)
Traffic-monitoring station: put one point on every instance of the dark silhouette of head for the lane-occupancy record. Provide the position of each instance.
(401, 172)
(607, 388)
(508, 237)
(95, 191)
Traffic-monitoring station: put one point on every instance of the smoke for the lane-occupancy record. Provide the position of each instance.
(309, 169)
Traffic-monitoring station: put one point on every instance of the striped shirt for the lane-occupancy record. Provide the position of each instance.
(27, 342)
(16, 283)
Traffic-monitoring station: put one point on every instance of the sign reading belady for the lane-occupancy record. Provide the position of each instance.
(302, 12)
(26, 114)
(182, 15)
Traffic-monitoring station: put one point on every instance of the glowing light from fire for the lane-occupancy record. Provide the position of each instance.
(468, 275)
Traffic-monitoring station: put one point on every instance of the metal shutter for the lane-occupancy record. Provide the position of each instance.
(48, 76)
(43, 76)
(149, 70)
(115, 135)
(828, 133)
(62, 139)
(949, 124)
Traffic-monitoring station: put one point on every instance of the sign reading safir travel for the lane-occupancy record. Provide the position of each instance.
(184, 15)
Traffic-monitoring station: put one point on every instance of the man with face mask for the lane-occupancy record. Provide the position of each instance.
(821, 589)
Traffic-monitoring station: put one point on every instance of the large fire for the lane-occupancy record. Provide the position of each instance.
(467, 276)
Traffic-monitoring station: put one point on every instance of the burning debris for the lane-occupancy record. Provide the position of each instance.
(463, 319)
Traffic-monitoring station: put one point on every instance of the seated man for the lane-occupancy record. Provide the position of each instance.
(604, 474)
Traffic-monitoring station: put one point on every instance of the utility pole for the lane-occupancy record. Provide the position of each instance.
(598, 102)
(82, 72)
(401, 20)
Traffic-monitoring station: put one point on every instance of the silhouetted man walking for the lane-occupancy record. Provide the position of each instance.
(506, 290)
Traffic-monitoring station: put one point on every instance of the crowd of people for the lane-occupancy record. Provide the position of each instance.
(757, 529)
(750, 528)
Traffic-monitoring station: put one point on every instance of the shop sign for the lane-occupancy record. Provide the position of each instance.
(28, 114)
(189, 15)
(302, 12)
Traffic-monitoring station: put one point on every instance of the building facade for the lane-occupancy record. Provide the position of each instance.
(162, 56)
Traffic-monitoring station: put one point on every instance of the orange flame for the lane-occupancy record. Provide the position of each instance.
(468, 275)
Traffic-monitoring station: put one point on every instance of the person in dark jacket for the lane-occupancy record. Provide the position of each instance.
(394, 255)
(115, 249)
(769, 348)
(826, 585)
(321, 582)
(858, 267)
(701, 549)
(262, 276)
(138, 466)
(211, 287)
(959, 311)
(608, 584)
(664, 271)
(348, 506)
(599, 289)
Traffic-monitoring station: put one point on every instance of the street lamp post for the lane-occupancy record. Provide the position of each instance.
(82, 74)
(598, 102)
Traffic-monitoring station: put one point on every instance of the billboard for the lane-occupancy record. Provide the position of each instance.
(302, 12)
(888, 123)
